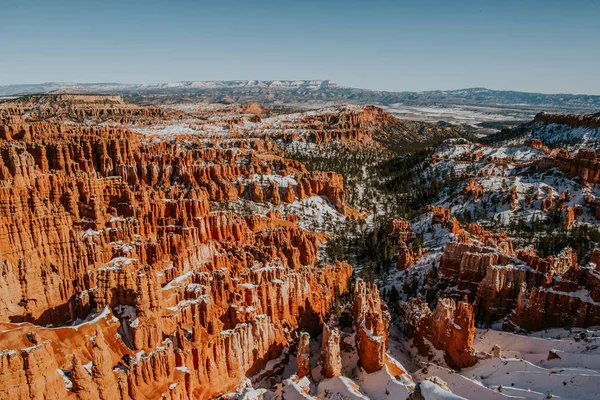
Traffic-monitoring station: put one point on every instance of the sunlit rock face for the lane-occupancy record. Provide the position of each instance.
(150, 252)
(371, 322)
(122, 276)
(450, 327)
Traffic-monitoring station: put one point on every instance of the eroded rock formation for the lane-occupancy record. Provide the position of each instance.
(573, 120)
(330, 352)
(371, 322)
(303, 355)
(111, 251)
(450, 328)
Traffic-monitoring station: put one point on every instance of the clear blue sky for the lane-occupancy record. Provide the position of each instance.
(547, 46)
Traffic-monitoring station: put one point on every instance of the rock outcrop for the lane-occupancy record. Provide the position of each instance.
(541, 308)
(442, 216)
(330, 352)
(450, 328)
(465, 265)
(583, 164)
(303, 355)
(408, 250)
(371, 323)
(573, 120)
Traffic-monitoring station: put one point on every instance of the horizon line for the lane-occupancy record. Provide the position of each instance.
(292, 80)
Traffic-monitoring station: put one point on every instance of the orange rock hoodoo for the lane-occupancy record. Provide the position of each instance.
(569, 295)
(330, 352)
(450, 327)
(491, 276)
(442, 216)
(105, 225)
(540, 308)
(500, 282)
(473, 189)
(407, 251)
(371, 323)
(303, 355)
(466, 264)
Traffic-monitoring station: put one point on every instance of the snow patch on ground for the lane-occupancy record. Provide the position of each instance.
(340, 388)
(524, 370)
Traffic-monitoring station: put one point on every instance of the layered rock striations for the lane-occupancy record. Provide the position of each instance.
(569, 299)
(486, 270)
(348, 125)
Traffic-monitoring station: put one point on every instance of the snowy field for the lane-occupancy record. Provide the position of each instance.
(523, 371)
(469, 115)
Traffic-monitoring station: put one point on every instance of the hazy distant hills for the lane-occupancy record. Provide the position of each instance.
(505, 97)
(302, 91)
(10, 90)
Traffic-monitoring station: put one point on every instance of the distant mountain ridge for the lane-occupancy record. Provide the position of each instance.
(299, 91)
(512, 97)
(12, 90)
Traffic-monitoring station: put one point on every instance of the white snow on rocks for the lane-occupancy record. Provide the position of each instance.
(523, 371)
